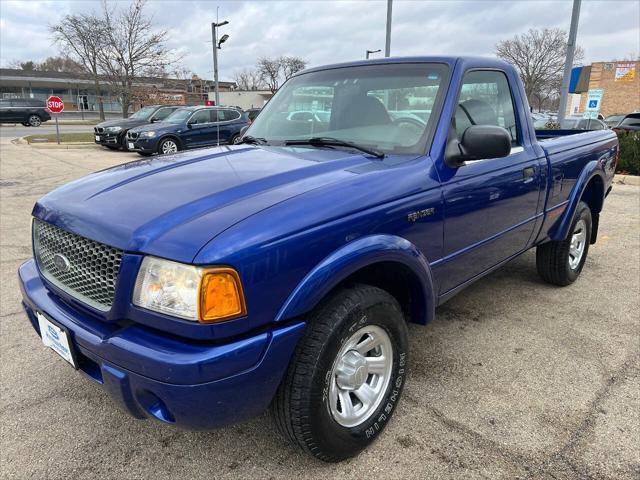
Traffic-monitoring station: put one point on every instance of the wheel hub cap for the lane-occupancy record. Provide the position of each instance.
(352, 371)
(360, 376)
(578, 242)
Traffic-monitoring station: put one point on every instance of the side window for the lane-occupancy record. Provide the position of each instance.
(201, 116)
(163, 113)
(230, 115)
(485, 99)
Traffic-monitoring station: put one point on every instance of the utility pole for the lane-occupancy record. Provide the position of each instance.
(387, 45)
(568, 63)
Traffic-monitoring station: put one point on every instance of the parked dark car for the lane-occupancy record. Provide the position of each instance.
(27, 111)
(252, 113)
(630, 123)
(112, 133)
(188, 127)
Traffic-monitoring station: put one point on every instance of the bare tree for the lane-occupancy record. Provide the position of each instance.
(132, 49)
(28, 66)
(60, 64)
(274, 70)
(248, 79)
(269, 70)
(291, 66)
(539, 56)
(81, 38)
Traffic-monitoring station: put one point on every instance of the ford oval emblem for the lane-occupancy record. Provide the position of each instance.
(61, 262)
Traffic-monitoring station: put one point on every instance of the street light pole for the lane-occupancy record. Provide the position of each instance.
(214, 40)
(568, 63)
(387, 45)
(369, 52)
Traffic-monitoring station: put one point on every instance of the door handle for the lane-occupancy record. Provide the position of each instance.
(529, 174)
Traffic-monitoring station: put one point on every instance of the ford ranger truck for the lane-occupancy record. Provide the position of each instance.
(202, 287)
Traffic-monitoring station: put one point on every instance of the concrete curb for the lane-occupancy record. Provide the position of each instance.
(627, 179)
(62, 146)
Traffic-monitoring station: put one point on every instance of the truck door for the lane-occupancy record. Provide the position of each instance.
(490, 205)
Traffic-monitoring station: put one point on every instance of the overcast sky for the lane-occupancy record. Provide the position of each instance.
(324, 31)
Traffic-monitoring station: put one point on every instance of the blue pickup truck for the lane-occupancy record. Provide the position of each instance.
(202, 287)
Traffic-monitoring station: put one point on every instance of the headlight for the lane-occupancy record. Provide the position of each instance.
(200, 294)
(149, 134)
(112, 129)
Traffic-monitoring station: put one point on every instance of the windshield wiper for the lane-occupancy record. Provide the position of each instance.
(333, 142)
(253, 140)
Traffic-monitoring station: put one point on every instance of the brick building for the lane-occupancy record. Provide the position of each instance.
(78, 91)
(620, 82)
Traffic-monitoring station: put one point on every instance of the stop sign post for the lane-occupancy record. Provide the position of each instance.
(56, 105)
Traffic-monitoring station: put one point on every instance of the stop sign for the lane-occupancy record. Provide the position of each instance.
(55, 104)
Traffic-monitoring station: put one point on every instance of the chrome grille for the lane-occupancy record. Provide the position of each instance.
(81, 267)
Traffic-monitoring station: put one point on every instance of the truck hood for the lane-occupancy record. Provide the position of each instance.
(171, 206)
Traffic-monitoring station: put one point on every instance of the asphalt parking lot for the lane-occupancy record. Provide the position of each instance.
(514, 378)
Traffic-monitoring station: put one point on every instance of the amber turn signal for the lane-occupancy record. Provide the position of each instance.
(221, 296)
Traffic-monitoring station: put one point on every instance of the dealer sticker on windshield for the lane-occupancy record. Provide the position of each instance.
(56, 339)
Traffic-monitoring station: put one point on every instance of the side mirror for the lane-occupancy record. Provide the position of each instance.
(478, 142)
(153, 120)
(189, 126)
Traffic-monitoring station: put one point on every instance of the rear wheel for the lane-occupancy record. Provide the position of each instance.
(346, 375)
(561, 262)
(35, 120)
(234, 139)
(168, 146)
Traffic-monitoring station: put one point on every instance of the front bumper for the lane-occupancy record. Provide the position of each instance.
(143, 144)
(107, 139)
(192, 384)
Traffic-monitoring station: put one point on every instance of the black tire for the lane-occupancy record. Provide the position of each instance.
(144, 154)
(26, 124)
(234, 139)
(301, 408)
(34, 120)
(112, 147)
(123, 142)
(553, 259)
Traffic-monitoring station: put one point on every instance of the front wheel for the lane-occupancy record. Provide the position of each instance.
(35, 120)
(168, 146)
(26, 124)
(561, 262)
(346, 376)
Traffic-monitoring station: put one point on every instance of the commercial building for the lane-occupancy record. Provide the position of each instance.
(619, 82)
(243, 98)
(78, 91)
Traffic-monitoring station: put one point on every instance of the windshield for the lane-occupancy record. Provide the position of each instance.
(387, 107)
(143, 113)
(179, 116)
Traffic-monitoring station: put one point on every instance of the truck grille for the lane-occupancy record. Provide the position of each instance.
(85, 269)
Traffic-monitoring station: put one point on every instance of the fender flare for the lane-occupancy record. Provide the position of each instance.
(352, 257)
(591, 170)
